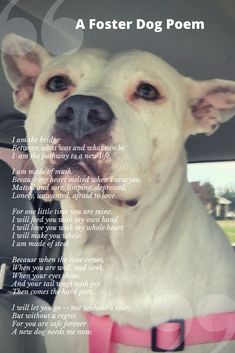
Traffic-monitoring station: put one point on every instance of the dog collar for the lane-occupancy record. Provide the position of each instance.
(171, 336)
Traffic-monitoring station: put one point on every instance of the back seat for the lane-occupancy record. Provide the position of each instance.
(10, 127)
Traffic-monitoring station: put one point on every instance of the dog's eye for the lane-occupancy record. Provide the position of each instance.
(58, 84)
(147, 92)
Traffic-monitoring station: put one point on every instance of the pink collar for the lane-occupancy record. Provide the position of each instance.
(170, 336)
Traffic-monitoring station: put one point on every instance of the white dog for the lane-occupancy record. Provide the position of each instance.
(165, 258)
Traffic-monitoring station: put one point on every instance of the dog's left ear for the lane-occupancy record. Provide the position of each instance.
(22, 62)
(211, 103)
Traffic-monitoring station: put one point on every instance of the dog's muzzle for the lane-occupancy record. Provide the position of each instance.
(83, 116)
(83, 129)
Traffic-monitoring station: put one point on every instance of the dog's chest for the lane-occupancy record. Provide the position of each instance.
(105, 284)
(131, 291)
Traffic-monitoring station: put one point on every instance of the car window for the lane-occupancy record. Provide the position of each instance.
(214, 183)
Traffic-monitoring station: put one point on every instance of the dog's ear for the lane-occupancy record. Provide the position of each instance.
(211, 103)
(22, 61)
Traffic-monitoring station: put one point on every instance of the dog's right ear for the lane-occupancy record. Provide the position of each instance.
(211, 103)
(22, 62)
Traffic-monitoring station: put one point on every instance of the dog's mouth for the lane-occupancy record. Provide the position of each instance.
(79, 172)
(88, 169)
(73, 172)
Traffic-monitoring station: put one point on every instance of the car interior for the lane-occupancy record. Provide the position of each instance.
(202, 55)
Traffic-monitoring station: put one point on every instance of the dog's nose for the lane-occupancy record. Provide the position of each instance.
(83, 115)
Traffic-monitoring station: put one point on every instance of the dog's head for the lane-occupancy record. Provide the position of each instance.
(115, 123)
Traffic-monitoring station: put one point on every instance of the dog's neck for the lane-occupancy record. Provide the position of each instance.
(146, 221)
